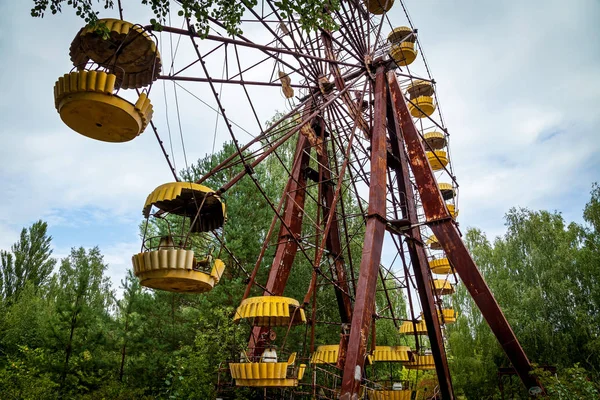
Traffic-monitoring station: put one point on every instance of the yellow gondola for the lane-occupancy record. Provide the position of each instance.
(391, 354)
(421, 103)
(188, 199)
(270, 311)
(267, 374)
(449, 315)
(438, 159)
(172, 261)
(435, 141)
(421, 362)
(378, 7)
(433, 243)
(447, 191)
(452, 210)
(121, 47)
(410, 327)
(325, 354)
(440, 266)
(442, 287)
(87, 104)
(391, 393)
(403, 49)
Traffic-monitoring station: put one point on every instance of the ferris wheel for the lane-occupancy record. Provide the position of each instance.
(369, 164)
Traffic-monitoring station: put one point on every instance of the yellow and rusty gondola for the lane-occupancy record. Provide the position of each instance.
(179, 259)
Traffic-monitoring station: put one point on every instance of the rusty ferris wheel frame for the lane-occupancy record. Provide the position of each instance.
(355, 124)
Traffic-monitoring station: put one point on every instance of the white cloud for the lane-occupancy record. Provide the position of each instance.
(518, 84)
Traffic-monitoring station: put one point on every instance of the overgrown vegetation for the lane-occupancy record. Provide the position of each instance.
(65, 334)
(545, 274)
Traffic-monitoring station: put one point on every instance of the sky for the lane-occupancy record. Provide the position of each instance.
(518, 82)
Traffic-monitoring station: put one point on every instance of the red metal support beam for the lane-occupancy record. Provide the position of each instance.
(371, 255)
(418, 257)
(447, 234)
(333, 241)
(334, 246)
(289, 233)
(353, 108)
(247, 43)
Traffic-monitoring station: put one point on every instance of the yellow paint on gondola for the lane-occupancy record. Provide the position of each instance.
(267, 374)
(433, 243)
(409, 328)
(185, 198)
(440, 266)
(86, 104)
(447, 190)
(325, 354)
(452, 210)
(420, 94)
(270, 311)
(123, 48)
(442, 287)
(176, 270)
(391, 354)
(421, 362)
(391, 394)
(378, 7)
(435, 140)
(403, 53)
(438, 159)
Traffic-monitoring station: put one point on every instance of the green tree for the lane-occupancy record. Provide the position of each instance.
(543, 273)
(26, 322)
(29, 260)
(83, 296)
(132, 291)
(570, 384)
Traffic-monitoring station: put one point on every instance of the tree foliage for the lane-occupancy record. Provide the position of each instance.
(28, 261)
(68, 335)
(313, 14)
(544, 274)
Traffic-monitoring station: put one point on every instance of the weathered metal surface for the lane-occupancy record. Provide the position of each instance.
(282, 140)
(289, 233)
(248, 43)
(354, 110)
(371, 254)
(333, 242)
(162, 147)
(449, 238)
(229, 81)
(417, 254)
(334, 247)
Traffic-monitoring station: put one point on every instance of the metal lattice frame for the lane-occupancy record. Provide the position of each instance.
(367, 148)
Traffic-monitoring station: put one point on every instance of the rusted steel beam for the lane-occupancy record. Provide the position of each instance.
(289, 233)
(371, 255)
(263, 135)
(162, 147)
(416, 252)
(332, 241)
(447, 234)
(224, 39)
(231, 81)
(282, 140)
(334, 247)
(353, 108)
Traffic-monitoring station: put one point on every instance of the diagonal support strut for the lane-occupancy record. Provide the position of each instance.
(447, 234)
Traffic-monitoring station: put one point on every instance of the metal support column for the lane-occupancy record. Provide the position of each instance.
(418, 257)
(447, 234)
(287, 245)
(333, 245)
(371, 255)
